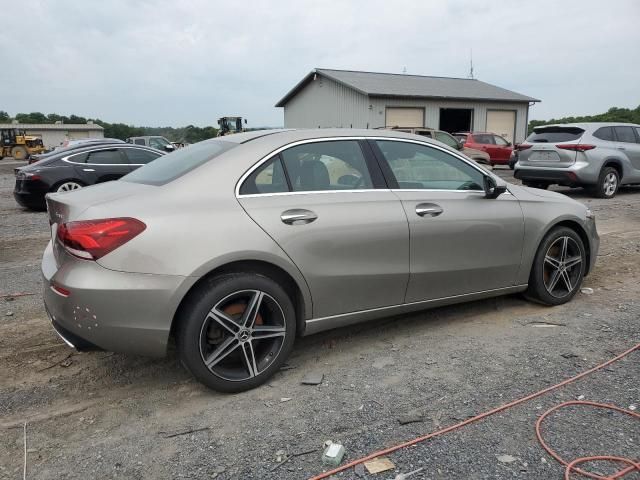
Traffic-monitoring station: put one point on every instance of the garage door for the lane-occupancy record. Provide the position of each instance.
(502, 122)
(404, 117)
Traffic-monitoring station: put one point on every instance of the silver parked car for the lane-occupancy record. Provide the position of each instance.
(235, 246)
(598, 156)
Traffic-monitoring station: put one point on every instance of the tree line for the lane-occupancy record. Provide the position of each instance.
(188, 134)
(614, 114)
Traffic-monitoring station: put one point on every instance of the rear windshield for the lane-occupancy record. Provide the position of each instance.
(554, 134)
(174, 165)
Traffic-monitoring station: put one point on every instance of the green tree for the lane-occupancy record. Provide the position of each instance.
(614, 114)
(4, 116)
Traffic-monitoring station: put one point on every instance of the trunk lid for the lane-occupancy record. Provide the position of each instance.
(540, 149)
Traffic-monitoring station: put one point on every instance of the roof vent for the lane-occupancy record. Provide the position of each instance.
(58, 122)
(89, 122)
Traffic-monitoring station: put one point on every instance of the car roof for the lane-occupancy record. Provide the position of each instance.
(586, 125)
(82, 148)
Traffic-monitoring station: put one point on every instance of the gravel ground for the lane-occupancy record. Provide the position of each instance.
(105, 415)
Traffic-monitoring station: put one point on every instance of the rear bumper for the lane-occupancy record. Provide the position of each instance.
(562, 177)
(31, 200)
(110, 310)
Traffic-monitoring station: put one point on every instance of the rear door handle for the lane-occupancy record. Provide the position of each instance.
(298, 216)
(89, 169)
(428, 210)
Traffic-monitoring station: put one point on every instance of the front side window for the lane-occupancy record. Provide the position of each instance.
(268, 178)
(446, 139)
(139, 141)
(137, 156)
(334, 165)
(484, 139)
(625, 134)
(420, 167)
(500, 141)
(105, 157)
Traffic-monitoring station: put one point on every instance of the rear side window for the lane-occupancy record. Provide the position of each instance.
(169, 167)
(488, 139)
(105, 157)
(137, 156)
(335, 165)
(625, 134)
(554, 134)
(604, 133)
(269, 178)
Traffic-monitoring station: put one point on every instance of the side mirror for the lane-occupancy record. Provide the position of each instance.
(460, 145)
(492, 189)
(509, 144)
(245, 121)
(169, 148)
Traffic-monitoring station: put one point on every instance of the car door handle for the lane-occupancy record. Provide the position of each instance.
(89, 169)
(621, 148)
(298, 216)
(428, 210)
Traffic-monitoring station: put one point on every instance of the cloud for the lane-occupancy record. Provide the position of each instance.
(160, 62)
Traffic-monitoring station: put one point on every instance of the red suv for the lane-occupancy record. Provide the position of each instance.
(498, 148)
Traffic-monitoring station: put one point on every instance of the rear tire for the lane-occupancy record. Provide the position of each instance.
(558, 268)
(214, 339)
(608, 183)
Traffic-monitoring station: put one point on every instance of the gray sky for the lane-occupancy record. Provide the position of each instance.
(168, 62)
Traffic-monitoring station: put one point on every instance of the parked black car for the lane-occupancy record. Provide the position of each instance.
(77, 145)
(81, 167)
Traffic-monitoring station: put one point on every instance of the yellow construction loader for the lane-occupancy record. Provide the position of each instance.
(17, 144)
(230, 125)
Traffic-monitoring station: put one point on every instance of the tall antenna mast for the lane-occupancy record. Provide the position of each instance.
(404, 70)
(471, 64)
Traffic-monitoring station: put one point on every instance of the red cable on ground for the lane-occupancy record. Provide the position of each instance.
(570, 467)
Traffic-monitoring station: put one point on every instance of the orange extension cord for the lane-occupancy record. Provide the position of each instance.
(570, 466)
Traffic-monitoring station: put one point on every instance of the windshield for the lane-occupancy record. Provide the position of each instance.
(158, 142)
(554, 134)
(169, 167)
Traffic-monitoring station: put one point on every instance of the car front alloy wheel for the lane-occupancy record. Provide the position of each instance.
(558, 267)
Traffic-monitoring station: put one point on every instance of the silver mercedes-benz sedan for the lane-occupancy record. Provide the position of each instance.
(236, 246)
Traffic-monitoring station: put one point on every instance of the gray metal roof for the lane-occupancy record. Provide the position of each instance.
(53, 126)
(416, 86)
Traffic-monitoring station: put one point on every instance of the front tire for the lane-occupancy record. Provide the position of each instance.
(235, 331)
(19, 153)
(558, 267)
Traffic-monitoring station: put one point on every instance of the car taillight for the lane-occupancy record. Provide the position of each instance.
(576, 147)
(523, 146)
(28, 176)
(92, 239)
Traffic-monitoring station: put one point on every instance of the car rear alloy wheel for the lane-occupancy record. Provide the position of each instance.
(558, 267)
(608, 183)
(242, 334)
(68, 187)
(235, 331)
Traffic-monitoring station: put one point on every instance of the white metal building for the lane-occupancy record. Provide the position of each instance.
(343, 98)
(54, 134)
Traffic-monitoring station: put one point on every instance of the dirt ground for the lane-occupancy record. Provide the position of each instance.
(105, 415)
